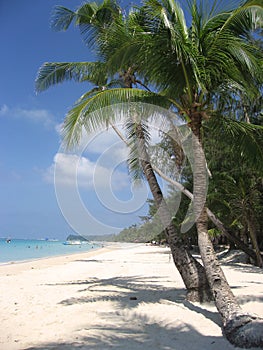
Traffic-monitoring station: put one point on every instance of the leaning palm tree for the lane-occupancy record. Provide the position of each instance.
(189, 66)
(94, 21)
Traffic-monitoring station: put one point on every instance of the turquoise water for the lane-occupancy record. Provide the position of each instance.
(25, 249)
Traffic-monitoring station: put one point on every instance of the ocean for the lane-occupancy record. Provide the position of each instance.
(28, 249)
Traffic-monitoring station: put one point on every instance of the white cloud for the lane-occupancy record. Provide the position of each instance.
(41, 116)
(99, 142)
(79, 171)
(4, 110)
(103, 143)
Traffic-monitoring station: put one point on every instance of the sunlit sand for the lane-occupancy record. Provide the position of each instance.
(120, 297)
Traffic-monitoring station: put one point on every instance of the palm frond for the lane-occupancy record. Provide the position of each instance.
(94, 20)
(57, 72)
(61, 18)
(115, 96)
(73, 126)
(233, 25)
(167, 17)
(245, 140)
(247, 17)
(96, 109)
(246, 57)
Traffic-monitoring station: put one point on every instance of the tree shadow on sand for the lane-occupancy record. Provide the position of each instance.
(126, 326)
(128, 292)
(137, 332)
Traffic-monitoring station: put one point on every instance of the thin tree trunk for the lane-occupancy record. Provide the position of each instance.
(243, 234)
(253, 236)
(192, 272)
(241, 329)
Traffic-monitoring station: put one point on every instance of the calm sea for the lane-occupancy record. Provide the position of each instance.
(25, 249)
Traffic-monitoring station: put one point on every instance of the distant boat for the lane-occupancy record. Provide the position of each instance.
(72, 243)
(8, 240)
(49, 239)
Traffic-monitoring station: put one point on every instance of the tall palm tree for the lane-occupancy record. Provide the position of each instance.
(94, 21)
(189, 66)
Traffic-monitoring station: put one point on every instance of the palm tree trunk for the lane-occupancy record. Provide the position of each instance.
(253, 237)
(241, 329)
(192, 272)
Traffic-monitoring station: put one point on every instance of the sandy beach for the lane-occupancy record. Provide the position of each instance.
(124, 297)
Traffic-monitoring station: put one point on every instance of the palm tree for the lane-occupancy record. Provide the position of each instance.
(189, 66)
(94, 20)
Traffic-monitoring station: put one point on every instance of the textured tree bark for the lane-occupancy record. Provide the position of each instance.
(192, 272)
(241, 329)
(253, 236)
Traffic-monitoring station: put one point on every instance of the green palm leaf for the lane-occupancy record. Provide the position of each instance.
(246, 140)
(92, 19)
(61, 18)
(57, 72)
(94, 110)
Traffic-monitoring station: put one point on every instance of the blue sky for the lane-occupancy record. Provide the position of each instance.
(29, 137)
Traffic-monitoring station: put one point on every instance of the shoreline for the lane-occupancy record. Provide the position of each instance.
(92, 244)
(21, 265)
(62, 259)
(12, 262)
(121, 296)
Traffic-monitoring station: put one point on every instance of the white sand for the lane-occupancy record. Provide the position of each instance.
(84, 301)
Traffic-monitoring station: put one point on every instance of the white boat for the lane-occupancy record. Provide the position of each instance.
(72, 243)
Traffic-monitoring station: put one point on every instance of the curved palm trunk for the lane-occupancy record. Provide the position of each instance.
(192, 272)
(241, 329)
(253, 236)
